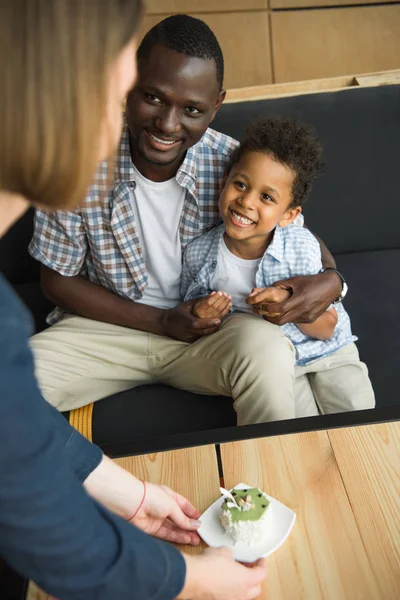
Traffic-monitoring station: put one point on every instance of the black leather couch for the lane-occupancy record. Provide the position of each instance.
(354, 208)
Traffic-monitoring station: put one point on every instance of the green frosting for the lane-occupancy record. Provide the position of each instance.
(257, 498)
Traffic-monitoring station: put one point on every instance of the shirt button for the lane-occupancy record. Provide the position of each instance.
(214, 264)
(195, 279)
(131, 185)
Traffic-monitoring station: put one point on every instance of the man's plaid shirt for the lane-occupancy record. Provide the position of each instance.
(100, 240)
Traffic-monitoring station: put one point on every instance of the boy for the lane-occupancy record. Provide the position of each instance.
(268, 179)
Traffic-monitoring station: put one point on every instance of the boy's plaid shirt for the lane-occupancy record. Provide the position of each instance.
(100, 240)
(293, 251)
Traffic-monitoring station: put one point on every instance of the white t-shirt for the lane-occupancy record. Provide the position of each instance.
(157, 208)
(235, 276)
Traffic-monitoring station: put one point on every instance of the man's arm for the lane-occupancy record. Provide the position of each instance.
(60, 244)
(82, 297)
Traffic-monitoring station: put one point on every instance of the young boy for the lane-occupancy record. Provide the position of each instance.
(233, 266)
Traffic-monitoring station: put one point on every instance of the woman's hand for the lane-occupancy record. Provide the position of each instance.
(163, 513)
(168, 515)
(215, 575)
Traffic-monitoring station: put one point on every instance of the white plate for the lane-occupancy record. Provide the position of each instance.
(281, 523)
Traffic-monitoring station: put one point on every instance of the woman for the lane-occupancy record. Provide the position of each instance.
(66, 67)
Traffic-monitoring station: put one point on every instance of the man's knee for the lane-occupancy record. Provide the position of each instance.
(261, 340)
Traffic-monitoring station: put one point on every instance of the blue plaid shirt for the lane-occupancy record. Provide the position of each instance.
(100, 240)
(293, 251)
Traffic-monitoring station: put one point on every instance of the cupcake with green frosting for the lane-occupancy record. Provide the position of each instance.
(245, 515)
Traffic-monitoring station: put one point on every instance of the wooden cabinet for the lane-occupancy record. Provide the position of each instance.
(309, 44)
(278, 4)
(245, 42)
(195, 6)
(274, 41)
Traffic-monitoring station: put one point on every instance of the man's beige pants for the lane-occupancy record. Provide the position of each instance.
(79, 361)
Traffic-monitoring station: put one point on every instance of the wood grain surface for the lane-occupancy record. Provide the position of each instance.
(369, 463)
(345, 488)
(308, 44)
(193, 472)
(244, 39)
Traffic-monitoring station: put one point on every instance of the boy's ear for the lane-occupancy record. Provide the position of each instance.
(290, 216)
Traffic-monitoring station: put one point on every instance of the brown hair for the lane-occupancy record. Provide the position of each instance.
(54, 59)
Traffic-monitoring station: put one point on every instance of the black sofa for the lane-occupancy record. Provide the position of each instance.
(354, 208)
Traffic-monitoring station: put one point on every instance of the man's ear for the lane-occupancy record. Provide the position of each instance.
(290, 216)
(220, 99)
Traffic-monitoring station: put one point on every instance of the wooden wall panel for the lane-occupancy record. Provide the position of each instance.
(244, 38)
(309, 44)
(157, 7)
(276, 4)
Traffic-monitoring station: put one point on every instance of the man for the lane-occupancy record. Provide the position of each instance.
(116, 264)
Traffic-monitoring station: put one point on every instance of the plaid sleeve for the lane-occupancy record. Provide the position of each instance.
(186, 277)
(59, 241)
(309, 252)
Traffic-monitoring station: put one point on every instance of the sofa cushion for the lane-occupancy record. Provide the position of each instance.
(151, 411)
(354, 205)
(373, 305)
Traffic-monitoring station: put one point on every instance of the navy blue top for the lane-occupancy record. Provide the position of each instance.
(50, 530)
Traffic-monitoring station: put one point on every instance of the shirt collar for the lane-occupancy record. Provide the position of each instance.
(124, 171)
(276, 247)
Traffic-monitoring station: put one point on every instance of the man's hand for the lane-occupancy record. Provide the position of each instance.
(310, 296)
(215, 306)
(215, 575)
(261, 298)
(181, 324)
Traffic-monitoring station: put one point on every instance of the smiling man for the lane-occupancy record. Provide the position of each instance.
(114, 267)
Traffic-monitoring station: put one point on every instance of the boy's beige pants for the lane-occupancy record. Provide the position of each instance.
(79, 361)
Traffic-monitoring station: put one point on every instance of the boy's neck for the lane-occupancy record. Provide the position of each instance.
(249, 249)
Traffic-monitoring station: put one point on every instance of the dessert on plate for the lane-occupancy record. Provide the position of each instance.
(245, 515)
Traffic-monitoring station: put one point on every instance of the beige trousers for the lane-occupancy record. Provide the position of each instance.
(337, 383)
(79, 361)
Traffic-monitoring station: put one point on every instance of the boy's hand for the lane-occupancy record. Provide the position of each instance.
(215, 306)
(261, 297)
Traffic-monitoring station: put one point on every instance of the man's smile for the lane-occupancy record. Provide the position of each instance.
(161, 143)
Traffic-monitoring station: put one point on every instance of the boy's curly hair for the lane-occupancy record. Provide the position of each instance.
(289, 142)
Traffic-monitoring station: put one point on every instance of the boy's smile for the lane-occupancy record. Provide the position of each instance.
(256, 198)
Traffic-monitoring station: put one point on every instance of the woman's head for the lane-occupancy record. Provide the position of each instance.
(66, 67)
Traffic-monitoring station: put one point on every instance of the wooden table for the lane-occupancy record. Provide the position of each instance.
(344, 485)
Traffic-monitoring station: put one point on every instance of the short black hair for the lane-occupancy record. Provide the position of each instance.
(291, 143)
(188, 36)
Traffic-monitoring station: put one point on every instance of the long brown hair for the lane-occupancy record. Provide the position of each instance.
(54, 59)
